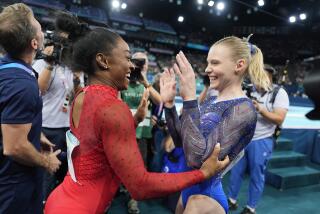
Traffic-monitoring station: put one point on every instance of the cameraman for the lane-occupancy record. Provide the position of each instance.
(20, 108)
(272, 107)
(56, 86)
(132, 96)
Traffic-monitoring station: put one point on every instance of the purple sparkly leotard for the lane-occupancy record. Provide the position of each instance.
(230, 123)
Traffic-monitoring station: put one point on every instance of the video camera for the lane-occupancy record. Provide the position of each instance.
(138, 67)
(248, 88)
(311, 86)
(61, 47)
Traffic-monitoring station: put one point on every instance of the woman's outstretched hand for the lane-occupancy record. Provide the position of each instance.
(212, 165)
(168, 87)
(187, 78)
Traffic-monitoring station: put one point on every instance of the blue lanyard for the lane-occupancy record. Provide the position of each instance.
(17, 65)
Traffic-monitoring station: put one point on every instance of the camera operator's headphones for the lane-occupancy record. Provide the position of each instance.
(270, 69)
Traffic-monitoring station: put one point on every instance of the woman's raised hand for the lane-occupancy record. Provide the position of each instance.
(168, 87)
(187, 78)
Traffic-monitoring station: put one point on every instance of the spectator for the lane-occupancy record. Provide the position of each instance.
(272, 107)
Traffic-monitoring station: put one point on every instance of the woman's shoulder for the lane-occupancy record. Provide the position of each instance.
(239, 106)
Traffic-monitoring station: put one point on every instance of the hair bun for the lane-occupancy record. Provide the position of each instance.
(80, 30)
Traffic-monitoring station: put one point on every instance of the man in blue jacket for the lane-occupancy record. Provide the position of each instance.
(20, 108)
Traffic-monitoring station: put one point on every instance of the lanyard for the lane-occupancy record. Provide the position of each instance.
(17, 65)
(63, 78)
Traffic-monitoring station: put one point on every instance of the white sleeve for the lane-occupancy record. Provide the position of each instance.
(39, 65)
(281, 100)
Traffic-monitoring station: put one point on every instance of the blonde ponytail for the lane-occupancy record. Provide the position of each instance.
(257, 74)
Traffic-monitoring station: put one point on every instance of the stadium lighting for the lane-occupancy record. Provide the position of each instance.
(303, 16)
(210, 3)
(261, 3)
(180, 19)
(220, 6)
(115, 4)
(292, 19)
(123, 6)
(200, 1)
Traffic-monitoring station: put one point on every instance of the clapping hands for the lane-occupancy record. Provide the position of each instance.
(168, 87)
(183, 69)
(187, 78)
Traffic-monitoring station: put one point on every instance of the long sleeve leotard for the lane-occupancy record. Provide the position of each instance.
(108, 155)
(230, 123)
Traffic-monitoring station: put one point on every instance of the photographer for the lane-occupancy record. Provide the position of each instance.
(272, 107)
(21, 105)
(132, 96)
(56, 83)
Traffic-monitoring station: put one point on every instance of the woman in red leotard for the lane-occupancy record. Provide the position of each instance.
(108, 154)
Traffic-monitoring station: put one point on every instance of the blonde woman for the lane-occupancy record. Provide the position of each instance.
(228, 119)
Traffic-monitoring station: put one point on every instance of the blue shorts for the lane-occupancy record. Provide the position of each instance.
(210, 188)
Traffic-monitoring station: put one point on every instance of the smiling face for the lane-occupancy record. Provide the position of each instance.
(221, 67)
(120, 65)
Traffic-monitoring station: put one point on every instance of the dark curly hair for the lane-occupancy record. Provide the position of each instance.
(86, 47)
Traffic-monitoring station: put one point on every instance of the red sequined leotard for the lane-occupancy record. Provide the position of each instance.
(107, 156)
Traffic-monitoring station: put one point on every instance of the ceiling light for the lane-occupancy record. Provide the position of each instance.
(210, 3)
(303, 16)
(180, 19)
(200, 1)
(220, 6)
(292, 19)
(115, 4)
(123, 6)
(261, 3)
